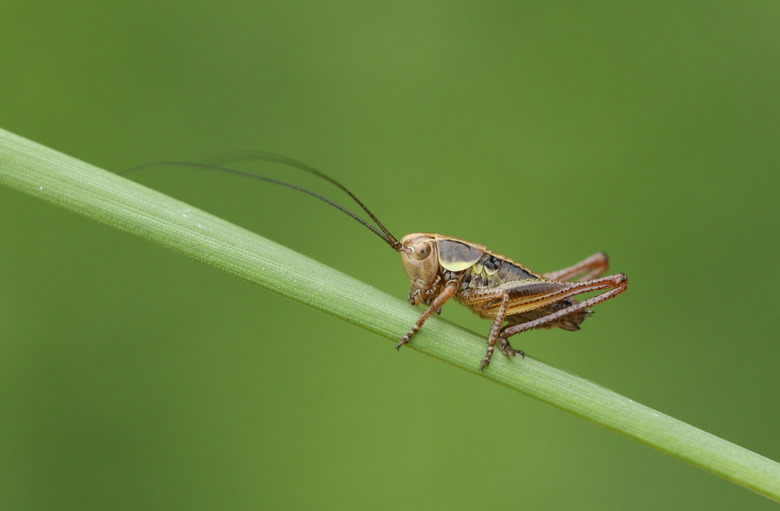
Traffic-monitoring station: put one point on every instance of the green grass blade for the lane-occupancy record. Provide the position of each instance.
(114, 200)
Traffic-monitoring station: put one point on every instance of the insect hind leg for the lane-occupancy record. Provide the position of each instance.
(589, 268)
(570, 322)
(615, 284)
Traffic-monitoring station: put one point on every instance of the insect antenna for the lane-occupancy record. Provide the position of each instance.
(382, 232)
(286, 160)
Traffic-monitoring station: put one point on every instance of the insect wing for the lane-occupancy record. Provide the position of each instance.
(457, 255)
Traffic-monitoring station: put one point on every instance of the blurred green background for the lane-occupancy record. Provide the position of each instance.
(133, 378)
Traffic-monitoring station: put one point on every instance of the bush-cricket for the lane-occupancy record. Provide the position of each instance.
(441, 267)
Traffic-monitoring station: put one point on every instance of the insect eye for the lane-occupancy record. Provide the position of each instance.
(422, 250)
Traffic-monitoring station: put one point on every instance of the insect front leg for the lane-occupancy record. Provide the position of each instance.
(448, 292)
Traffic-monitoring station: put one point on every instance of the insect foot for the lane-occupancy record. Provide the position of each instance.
(505, 348)
(404, 340)
(486, 360)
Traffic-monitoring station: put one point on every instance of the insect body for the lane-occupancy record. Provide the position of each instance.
(440, 268)
(495, 287)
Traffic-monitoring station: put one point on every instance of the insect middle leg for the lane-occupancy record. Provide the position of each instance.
(498, 299)
(495, 331)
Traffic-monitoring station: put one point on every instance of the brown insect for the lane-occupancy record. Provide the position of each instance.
(441, 267)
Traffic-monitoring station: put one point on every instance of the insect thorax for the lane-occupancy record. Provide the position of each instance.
(433, 260)
(476, 267)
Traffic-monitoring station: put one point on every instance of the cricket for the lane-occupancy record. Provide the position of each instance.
(440, 268)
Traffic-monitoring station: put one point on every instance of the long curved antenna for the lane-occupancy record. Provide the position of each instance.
(384, 233)
(234, 156)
